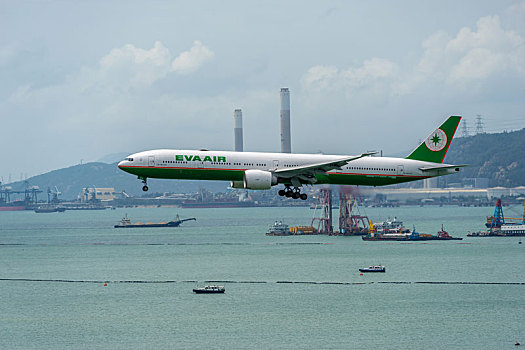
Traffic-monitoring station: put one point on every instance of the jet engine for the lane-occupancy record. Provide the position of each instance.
(237, 184)
(259, 180)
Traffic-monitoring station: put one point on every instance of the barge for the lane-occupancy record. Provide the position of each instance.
(410, 236)
(126, 223)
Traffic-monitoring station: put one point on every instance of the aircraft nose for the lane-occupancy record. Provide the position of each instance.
(122, 163)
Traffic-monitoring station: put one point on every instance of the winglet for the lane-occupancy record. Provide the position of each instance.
(436, 145)
(368, 154)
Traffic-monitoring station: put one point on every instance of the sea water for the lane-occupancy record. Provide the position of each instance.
(71, 280)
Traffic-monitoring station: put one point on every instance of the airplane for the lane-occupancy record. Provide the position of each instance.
(261, 171)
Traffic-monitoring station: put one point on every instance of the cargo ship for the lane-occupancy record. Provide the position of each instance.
(7, 207)
(126, 223)
(12, 206)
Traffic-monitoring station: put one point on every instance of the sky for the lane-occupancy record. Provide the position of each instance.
(81, 80)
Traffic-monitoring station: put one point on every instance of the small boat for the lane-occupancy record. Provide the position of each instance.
(278, 229)
(374, 268)
(209, 289)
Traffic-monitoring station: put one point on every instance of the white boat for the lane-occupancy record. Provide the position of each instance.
(209, 289)
(513, 229)
(374, 268)
(278, 229)
(390, 226)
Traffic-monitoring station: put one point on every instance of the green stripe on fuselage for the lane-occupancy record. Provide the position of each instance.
(238, 175)
(186, 173)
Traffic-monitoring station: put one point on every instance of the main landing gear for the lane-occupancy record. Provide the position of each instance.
(144, 181)
(294, 193)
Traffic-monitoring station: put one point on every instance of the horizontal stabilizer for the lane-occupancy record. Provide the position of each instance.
(438, 167)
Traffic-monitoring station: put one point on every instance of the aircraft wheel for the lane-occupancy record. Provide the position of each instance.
(296, 195)
(282, 193)
(303, 196)
(145, 188)
(288, 194)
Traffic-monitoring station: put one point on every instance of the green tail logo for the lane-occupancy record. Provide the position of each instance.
(436, 145)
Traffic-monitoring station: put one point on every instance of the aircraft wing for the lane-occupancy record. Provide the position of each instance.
(306, 173)
(444, 166)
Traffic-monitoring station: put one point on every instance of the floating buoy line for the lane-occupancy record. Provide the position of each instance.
(252, 282)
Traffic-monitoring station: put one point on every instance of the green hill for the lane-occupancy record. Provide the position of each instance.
(498, 157)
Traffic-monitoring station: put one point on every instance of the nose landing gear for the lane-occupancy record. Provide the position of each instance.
(294, 193)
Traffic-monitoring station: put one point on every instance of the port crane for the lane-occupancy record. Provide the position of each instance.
(498, 219)
(30, 193)
(54, 194)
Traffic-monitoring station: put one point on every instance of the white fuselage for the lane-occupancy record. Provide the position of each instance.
(227, 165)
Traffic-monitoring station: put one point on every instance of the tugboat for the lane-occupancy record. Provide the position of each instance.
(278, 229)
(209, 289)
(443, 235)
(374, 268)
(126, 223)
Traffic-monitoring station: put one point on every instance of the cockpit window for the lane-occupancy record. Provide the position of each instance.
(129, 159)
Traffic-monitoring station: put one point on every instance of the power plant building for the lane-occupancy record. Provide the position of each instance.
(237, 130)
(286, 141)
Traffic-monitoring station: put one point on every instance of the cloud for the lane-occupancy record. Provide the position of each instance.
(319, 77)
(134, 67)
(189, 61)
(137, 67)
(122, 73)
(372, 74)
(117, 93)
(470, 57)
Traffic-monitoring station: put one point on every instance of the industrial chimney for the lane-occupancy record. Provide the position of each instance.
(237, 129)
(286, 146)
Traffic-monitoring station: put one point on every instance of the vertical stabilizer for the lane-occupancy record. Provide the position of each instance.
(435, 147)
